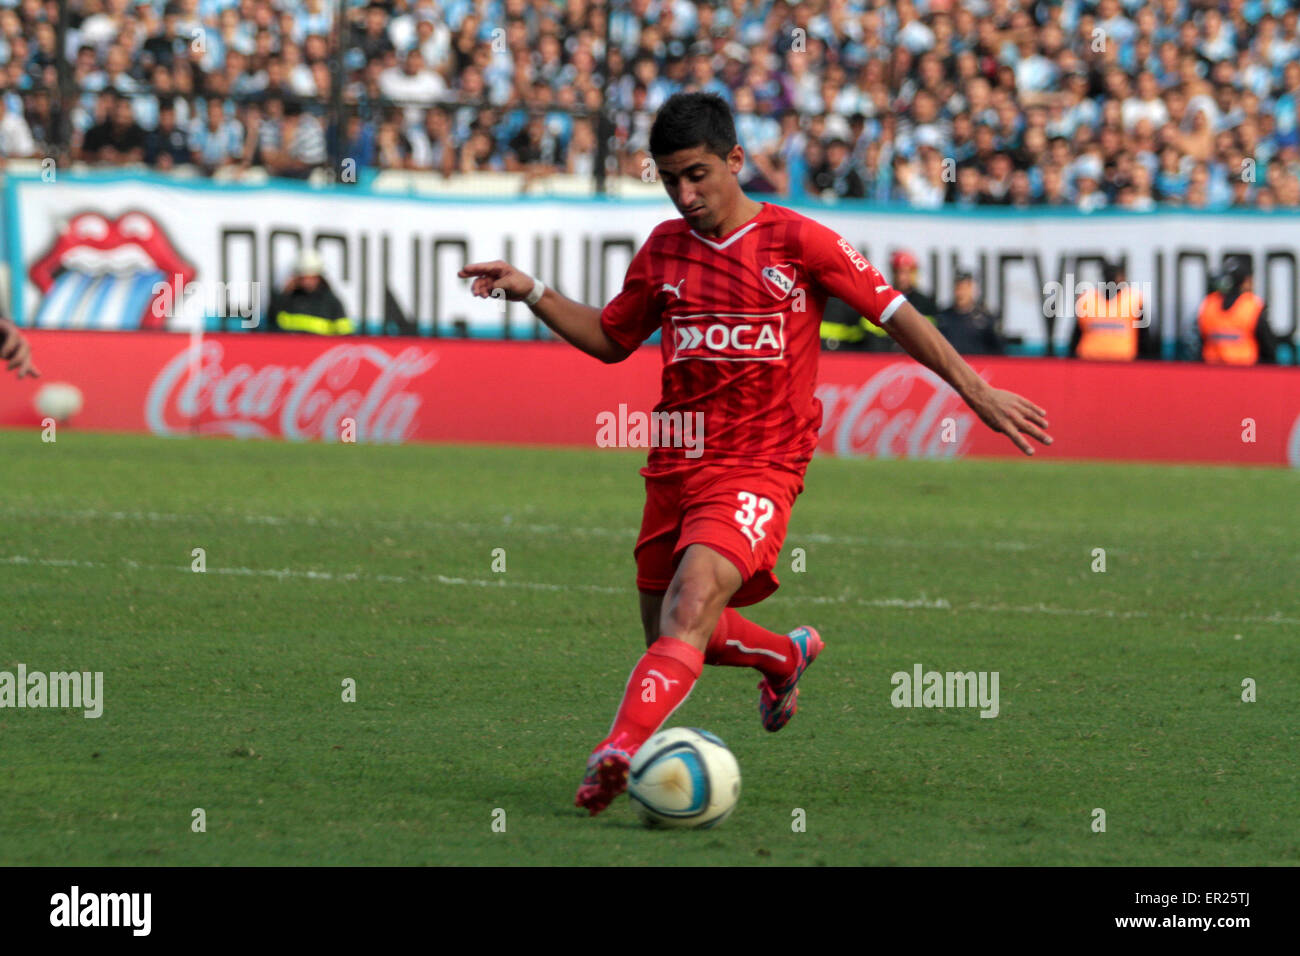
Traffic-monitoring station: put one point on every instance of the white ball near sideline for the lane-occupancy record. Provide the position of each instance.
(58, 400)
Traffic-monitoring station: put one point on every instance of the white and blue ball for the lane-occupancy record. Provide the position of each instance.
(684, 777)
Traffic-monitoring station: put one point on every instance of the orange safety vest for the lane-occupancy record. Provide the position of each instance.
(1228, 335)
(1106, 327)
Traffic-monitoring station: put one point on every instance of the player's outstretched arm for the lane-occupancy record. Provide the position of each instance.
(15, 351)
(1001, 410)
(577, 324)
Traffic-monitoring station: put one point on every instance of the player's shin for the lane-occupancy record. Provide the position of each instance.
(736, 642)
(661, 680)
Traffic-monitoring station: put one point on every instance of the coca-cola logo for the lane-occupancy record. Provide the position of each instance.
(363, 383)
(902, 411)
(1293, 444)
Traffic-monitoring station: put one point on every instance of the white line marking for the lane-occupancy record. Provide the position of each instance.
(507, 524)
(911, 604)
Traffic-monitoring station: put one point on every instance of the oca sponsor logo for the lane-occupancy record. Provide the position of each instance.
(729, 337)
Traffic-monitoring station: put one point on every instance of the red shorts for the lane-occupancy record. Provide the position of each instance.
(741, 512)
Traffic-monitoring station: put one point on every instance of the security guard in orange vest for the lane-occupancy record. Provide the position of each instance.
(1108, 322)
(1231, 321)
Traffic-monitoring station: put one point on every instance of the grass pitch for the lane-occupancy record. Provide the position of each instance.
(479, 691)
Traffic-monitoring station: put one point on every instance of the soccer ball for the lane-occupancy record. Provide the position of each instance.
(684, 777)
(58, 400)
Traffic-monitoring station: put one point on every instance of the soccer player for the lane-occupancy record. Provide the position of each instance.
(737, 288)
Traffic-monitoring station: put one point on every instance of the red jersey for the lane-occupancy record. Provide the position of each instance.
(741, 322)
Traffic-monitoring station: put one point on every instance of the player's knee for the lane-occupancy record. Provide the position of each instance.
(690, 604)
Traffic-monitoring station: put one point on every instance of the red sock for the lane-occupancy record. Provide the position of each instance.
(736, 642)
(661, 680)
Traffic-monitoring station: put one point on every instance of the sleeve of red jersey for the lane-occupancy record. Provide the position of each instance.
(632, 316)
(846, 274)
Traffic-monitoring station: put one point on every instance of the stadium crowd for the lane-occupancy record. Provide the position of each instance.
(1121, 103)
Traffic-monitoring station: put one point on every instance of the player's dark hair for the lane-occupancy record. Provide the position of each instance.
(688, 120)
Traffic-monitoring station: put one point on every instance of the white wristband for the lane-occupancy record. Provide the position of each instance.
(535, 296)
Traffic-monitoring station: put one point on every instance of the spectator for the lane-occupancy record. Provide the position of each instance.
(997, 181)
(757, 134)
(968, 188)
(1020, 195)
(413, 86)
(432, 146)
(391, 150)
(1087, 181)
(16, 140)
(580, 157)
(1231, 321)
(117, 139)
(844, 179)
(167, 145)
(371, 35)
(1188, 92)
(359, 142)
(1109, 320)
(534, 150)
(970, 327)
(263, 130)
(902, 265)
(218, 141)
(307, 303)
(303, 144)
(479, 154)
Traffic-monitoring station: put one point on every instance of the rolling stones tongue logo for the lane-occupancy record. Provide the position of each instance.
(103, 273)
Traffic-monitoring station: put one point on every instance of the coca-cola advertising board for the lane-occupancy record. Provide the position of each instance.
(399, 390)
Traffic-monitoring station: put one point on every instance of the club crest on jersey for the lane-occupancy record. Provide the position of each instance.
(780, 279)
(729, 337)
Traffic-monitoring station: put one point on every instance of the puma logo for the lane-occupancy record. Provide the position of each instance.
(667, 683)
(675, 290)
(755, 650)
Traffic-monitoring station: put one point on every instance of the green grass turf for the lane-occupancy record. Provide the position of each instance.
(478, 691)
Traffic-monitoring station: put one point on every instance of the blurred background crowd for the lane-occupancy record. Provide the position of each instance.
(931, 103)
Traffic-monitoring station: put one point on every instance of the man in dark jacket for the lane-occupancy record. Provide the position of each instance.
(903, 266)
(843, 329)
(969, 326)
(307, 303)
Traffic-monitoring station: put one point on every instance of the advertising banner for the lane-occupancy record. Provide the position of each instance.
(131, 252)
(398, 390)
